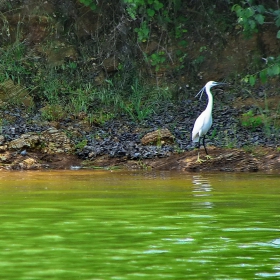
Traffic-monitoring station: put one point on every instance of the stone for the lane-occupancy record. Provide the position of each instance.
(158, 137)
(51, 141)
(110, 64)
(3, 148)
(2, 139)
(29, 163)
(56, 141)
(3, 158)
(30, 140)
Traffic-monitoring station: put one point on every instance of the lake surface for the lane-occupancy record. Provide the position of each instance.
(139, 225)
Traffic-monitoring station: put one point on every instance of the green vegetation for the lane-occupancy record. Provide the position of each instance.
(144, 37)
(13, 65)
(89, 3)
(252, 121)
(157, 59)
(53, 112)
(227, 137)
(252, 16)
(81, 144)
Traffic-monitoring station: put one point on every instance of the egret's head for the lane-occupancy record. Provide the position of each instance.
(212, 84)
(208, 86)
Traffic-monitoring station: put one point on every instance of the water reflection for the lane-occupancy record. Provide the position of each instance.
(201, 186)
(202, 189)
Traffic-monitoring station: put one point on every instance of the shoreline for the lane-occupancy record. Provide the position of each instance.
(263, 159)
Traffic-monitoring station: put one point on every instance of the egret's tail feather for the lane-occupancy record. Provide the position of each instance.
(195, 138)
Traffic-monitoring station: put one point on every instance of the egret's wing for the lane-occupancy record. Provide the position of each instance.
(197, 128)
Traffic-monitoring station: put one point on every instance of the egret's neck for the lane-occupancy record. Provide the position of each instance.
(210, 100)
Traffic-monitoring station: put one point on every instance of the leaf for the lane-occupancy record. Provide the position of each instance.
(263, 76)
(252, 80)
(89, 3)
(245, 79)
(236, 8)
(158, 5)
(260, 9)
(93, 6)
(277, 21)
(278, 34)
(249, 12)
(275, 69)
(269, 71)
(259, 18)
(252, 23)
(183, 43)
(150, 12)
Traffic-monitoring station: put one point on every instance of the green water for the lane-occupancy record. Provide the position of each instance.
(139, 225)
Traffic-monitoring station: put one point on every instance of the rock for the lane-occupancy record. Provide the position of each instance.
(3, 148)
(158, 137)
(3, 158)
(55, 142)
(29, 163)
(23, 153)
(29, 140)
(2, 139)
(51, 141)
(110, 64)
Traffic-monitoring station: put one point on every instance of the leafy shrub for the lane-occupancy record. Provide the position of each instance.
(251, 15)
(53, 112)
(251, 121)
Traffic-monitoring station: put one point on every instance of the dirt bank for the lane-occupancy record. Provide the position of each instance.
(223, 160)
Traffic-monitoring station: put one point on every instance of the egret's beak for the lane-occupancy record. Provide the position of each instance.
(220, 84)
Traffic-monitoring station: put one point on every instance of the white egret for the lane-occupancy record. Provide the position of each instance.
(204, 121)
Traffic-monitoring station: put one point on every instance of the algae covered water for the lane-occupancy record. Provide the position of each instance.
(139, 225)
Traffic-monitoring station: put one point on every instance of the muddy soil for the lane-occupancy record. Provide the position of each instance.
(223, 160)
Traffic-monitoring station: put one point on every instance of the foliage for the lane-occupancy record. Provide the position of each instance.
(13, 64)
(53, 112)
(251, 16)
(137, 107)
(157, 59)
(160, 13)
(228, 137)
(149, 8)
(143, 32)
(252, 121)
(100, 117)
(81, 144)
(229, 141)
(89, 3)
(142, 22)
(272, 69)
(199, 59)
(71, 84)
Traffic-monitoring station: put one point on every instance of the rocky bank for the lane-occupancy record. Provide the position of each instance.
(163, 141)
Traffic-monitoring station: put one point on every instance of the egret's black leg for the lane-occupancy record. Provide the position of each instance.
(203, 142)
(198, 147)
(198, 143)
